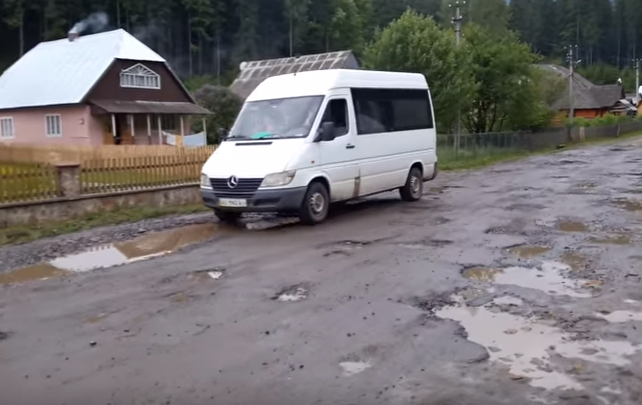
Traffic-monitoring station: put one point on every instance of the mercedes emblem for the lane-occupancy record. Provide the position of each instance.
(232, 182)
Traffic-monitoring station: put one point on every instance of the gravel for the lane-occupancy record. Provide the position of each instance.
(17, 256)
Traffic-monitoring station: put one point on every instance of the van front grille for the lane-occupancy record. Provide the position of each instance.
(244, 189)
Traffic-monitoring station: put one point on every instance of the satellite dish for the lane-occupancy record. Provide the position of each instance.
(243, 65)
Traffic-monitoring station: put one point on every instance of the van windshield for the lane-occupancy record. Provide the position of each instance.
(279, 118)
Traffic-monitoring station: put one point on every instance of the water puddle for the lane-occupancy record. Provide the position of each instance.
(142, 248)
(621, 316)
(629, 205)
(351, 368)
(528, 346)
(571, 226)
(527, 252)
(621, 239)
(549, 277)
(38, 272)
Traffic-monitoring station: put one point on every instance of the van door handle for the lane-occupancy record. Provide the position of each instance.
(349, 146)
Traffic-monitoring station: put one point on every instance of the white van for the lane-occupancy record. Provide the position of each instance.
(304, 140)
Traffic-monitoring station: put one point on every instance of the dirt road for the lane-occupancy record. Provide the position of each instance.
(517, 284)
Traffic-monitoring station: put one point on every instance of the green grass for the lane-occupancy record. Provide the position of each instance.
(27, 233)
(467, 159)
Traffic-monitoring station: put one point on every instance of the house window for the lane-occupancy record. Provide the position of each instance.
(6, 128)
(53, 125)
(139, 77)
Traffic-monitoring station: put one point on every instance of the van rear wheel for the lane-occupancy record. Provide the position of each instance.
(316, 204)
(414, 187)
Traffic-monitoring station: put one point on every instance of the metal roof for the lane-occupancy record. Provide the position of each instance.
(149, 107)
(254, 72)
(586, 95)
(63, 71)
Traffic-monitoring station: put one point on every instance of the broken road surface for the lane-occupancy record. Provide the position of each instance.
(515, 284)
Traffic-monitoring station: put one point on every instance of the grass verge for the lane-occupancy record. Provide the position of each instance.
(27, 233)
(468, 159)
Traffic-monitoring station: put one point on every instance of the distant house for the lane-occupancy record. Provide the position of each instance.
(253, 73)
(589, 100)
(106, 88)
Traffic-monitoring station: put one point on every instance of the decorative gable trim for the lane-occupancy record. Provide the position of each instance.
(140, 76)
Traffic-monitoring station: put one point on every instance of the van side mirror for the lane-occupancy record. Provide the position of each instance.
(327, 132)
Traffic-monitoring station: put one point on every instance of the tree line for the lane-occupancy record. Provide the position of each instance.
(487, 81)
(206, 36)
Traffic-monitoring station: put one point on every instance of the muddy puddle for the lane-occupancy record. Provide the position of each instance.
(528, 252)
(620, 239)
(37, 272)
(629, 205)
(572, 226)
(528, 347)
(115, 254)
(550, 278)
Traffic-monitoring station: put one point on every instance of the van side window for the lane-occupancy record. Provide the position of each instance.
(337, 112)
(391, 110)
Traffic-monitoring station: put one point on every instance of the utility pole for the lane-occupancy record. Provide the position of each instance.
(636, 61)
(457, 21)
(572, 52)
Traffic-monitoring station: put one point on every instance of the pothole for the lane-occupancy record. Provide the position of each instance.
(292, 293)
(351, 368)
(422, 244)
(621, 316)
(549, 278)
(572, 226)
(37, 272)
(528, 346)
(629, 205)
(621, 239)
(214, 273)
(145, 247)
(527, 252)
(575, 261)
(3, 335)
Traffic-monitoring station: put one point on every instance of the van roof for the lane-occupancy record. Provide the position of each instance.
(320, 82)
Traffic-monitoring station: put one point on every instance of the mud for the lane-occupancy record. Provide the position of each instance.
(572, 226)
(527, 252)
(485, 292)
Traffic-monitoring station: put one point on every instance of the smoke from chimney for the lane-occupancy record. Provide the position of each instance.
(93, 24)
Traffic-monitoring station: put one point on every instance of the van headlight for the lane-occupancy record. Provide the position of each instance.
(278, 179)
(205, 181)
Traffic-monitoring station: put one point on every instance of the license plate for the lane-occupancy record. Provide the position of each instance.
(232, 202)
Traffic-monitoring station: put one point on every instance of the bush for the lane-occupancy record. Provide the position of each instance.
(608, 119)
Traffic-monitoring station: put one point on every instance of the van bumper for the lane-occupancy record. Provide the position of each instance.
(281, 200)
(431, 176)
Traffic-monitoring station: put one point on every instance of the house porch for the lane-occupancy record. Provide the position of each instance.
(143, 122)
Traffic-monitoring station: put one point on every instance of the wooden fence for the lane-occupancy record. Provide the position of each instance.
(17, 153)
(31, 174)
(28, 183)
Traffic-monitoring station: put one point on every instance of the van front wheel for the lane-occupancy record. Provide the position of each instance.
(316, 204)
(414, 187)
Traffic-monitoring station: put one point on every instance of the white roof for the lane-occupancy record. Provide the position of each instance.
(319, 82)
(63, 72)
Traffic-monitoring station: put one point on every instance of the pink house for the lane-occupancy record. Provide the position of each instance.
(106, 88)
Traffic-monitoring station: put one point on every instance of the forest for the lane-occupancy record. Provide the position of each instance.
(209, 38)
